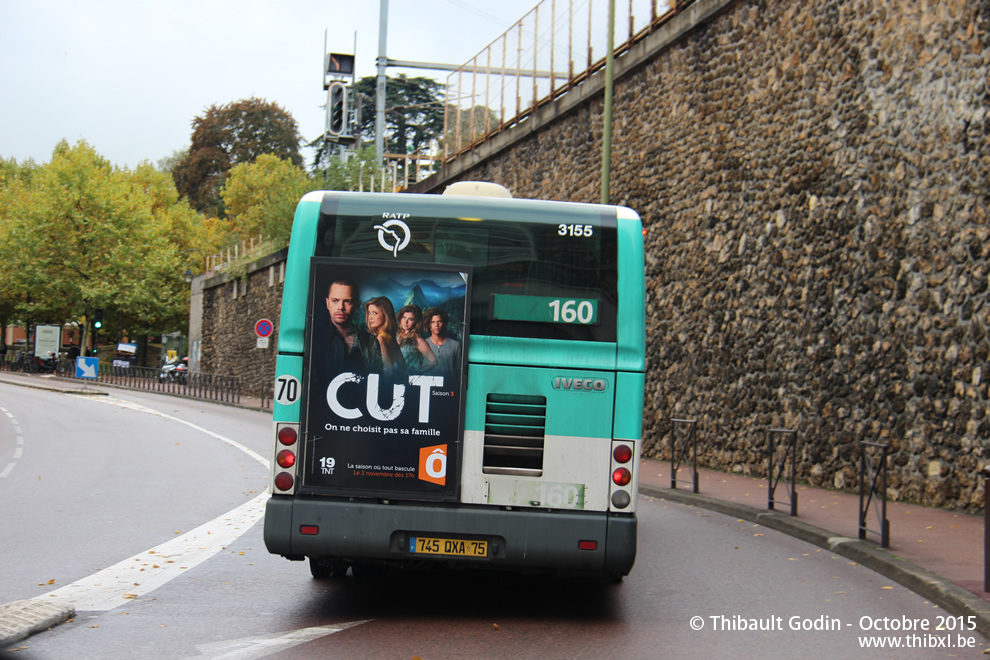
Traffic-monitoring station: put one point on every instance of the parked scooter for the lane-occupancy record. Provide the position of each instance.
(174, 371)
(181, 371)
(47, 364)
(167, 374)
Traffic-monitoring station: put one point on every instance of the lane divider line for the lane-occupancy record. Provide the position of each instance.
(146, 571)
(18, 440)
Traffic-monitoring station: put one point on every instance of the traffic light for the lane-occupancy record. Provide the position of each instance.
(98, 319)
(340, 64)
(337, 109)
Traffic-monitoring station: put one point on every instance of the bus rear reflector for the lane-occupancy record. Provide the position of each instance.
(587, 545)
(283, 481)
(621, 476)
(309, 530)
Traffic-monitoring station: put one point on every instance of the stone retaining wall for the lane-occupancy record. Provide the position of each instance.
(813, 177)
(231, 307)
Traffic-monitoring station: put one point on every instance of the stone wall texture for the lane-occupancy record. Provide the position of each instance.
(231, 307)
(813, 177)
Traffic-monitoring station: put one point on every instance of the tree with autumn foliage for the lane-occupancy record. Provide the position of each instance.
(79, 234)
(261, 197)
(229, 135)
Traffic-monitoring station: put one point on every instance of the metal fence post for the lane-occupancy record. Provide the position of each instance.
(676, 457)
(865, 499)
(986, 528)
(773, 481)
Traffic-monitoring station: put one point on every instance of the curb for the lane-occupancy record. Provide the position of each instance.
(22, 618)
(60, 389)
(947, 595)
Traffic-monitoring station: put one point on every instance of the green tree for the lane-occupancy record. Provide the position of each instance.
(354, 174)
(261, 197)
(229, 135)
(80, 235)
(413, 114)
(170, 162)
(468, 125)
(15, 182)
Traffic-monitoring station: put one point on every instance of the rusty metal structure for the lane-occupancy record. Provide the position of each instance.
(545, 54)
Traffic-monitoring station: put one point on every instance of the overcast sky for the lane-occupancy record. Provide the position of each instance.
(128, 76)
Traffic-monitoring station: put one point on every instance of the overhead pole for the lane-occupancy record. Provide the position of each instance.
(380, 89)
(607, 122)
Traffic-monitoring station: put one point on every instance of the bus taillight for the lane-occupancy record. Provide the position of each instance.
(621, 476)
(622, 491)
(285, 459)
(284, 467)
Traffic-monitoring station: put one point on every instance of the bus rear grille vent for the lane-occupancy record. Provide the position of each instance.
(515, 428)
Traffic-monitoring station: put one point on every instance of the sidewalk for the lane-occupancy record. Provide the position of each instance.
(934, 552)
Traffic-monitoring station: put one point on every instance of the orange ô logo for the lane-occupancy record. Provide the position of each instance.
(433, 464)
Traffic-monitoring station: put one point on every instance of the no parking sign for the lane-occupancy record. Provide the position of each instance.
(263, 328)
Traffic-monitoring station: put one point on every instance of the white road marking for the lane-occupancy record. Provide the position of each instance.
(19, 439)
(144, 572)
(260, 646)
(136, 406)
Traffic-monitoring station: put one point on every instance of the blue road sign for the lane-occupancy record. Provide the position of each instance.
(87, 367)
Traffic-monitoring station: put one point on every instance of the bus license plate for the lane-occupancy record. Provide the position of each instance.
(454, 547)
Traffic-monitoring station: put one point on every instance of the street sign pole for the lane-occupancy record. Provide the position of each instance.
(264, 329)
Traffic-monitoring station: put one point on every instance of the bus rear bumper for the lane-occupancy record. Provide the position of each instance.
(522, 539)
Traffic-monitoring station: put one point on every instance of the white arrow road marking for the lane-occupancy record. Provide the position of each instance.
(146, 571)
(259, 646)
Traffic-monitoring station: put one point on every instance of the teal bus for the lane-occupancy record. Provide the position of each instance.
(459, 383)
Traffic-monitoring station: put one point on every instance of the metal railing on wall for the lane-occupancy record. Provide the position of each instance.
(240, 252)
(211, 387)
(554, 47)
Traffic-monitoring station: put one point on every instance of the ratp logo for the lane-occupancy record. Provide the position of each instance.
(433, 464)
(393, 234)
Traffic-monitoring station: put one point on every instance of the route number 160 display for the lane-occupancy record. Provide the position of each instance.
(582, 311)
(571, 311)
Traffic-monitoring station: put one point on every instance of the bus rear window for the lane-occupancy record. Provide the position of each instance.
(537, 276)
